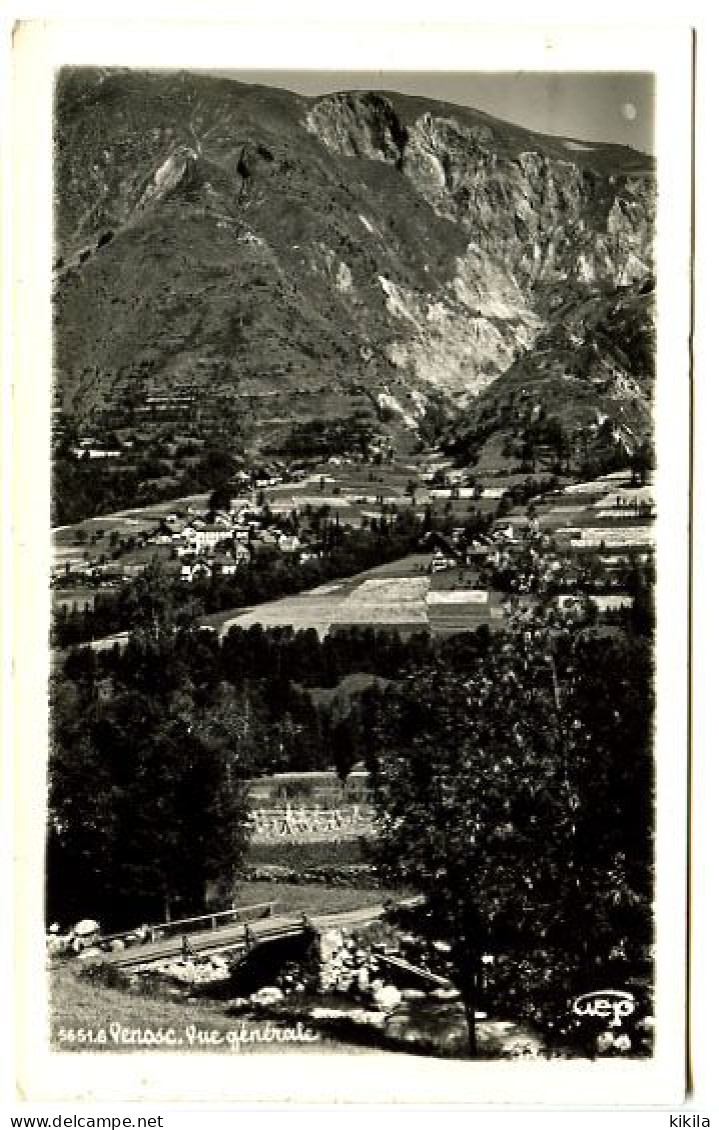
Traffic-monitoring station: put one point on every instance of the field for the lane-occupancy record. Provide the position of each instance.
(125, 521)
(609, 510)
(311, 898)
(300, 856)
(72, 545)
(401, 596)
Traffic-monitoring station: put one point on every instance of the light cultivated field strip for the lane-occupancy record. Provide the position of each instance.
(388, 591)
(636, 535)
(380, 614)
(458, 596)
(325, 590)
(467, 616)
(590, 488)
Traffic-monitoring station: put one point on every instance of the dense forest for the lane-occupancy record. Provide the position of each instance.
(151, 744)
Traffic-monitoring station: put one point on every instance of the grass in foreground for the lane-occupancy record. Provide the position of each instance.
(79, 1006)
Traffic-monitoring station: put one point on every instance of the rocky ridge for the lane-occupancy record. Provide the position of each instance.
(270, 257)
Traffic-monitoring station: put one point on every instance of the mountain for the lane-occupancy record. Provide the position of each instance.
(243, 257)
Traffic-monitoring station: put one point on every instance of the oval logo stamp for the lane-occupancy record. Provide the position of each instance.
(613, 1005)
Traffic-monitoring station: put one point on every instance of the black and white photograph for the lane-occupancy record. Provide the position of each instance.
(354, 590)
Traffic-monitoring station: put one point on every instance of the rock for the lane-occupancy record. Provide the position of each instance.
(604, 1042)
(413, 995)
(177, 969)
(387, 998)
(116, 945)
(521, 1048)
(90, 952)
(86, 927)
(57, 946)
(270, 994)
(330, 943)
(363, 978)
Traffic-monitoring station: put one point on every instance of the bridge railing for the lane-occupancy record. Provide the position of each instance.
(215, 920)
(212, 921)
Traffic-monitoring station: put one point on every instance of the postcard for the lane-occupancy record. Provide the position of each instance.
(351, 483)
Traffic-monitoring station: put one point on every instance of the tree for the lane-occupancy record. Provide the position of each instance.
(516, 797)
(220, 498)
(147, 804)
(642, 461)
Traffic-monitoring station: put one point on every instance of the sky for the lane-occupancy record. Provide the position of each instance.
(588, 106)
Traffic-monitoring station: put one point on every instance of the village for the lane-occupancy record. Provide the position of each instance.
(476, 545)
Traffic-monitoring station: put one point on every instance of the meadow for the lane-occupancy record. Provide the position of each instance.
(403, 595)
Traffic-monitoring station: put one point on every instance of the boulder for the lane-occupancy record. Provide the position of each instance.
(329, 944)
(270, 994)
(179, 969)
(86, 927)
(387, 998)
(57, 946)
(116, 945)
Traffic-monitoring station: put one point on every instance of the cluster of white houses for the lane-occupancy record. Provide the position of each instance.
(223, 540)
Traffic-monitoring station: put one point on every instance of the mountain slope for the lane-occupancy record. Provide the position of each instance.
(238, 253)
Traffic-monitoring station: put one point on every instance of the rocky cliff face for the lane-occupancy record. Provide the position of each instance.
(287, 257)
(534, 205)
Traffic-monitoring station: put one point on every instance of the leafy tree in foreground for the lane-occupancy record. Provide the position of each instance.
(516, 796)
(146, 807)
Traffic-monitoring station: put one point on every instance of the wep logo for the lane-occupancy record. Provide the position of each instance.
(606, 1004)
